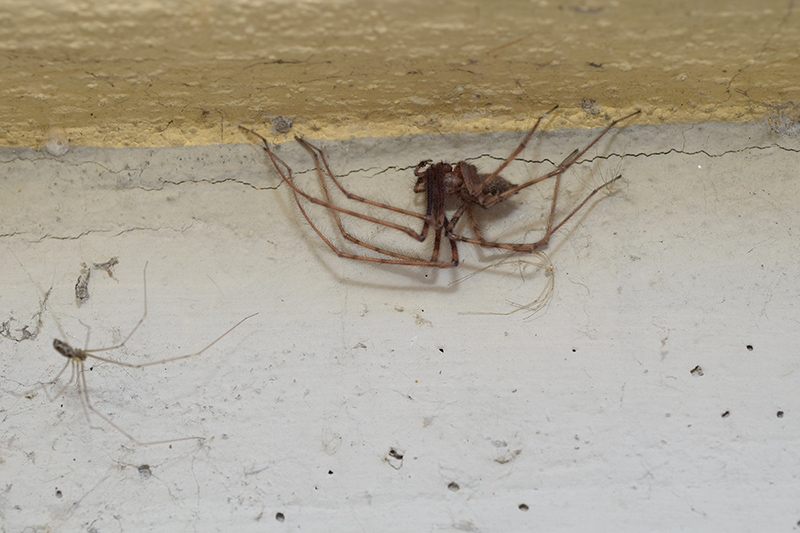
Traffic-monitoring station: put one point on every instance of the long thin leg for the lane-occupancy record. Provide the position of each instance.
(93, 351)
(43, 386)
(516, 152)
(465, 207)
(90, 353)
(318, 157)
(396, 258)
(318, 152)
(568, 162)
(55, 379)
(556, 173)
(530, 247)
(84, 394)
(474, 223)
(144, 314)
(286, 175)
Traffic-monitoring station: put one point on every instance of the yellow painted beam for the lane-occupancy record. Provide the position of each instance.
(116, 73)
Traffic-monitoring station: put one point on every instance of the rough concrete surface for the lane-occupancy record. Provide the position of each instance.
(656, 389)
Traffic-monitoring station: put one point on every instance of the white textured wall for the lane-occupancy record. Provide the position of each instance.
(589, 415)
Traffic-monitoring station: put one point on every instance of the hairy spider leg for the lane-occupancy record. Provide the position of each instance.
(433, 181)
(397, 258)
(568, 162)
(557, 173)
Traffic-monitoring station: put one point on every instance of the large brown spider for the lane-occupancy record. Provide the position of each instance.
(440, 181)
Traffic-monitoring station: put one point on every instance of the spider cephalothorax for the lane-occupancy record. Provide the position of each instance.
(462, 181)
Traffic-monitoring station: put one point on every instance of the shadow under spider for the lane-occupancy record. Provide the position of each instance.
(76, 358)
(440, 182)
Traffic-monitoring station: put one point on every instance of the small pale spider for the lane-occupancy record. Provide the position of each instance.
(76, 358)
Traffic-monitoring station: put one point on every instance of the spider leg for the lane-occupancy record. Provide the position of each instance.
(453, 251)
(395, 258)
(568, 161)
(456, 217)
(85, 403)
(69, 363)
(530, 247)
(317, 152)
(90, 353)
(557, 173)
(474, 223)
(453, 245)
(286, 176)
(83, 393)
(399, 259)
(437, 240)
(88, 333)
(144, 314)
(465, 207)
(318, 157)
(516, 152)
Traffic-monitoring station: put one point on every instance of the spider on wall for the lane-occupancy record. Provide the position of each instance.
(76, 359)
(458, 184)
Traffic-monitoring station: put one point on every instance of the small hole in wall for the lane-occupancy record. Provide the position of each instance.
(453, 486)
(749, 347)
(279, 517)
(523, 507)
(58, 493)
(145, 472)
(780, 414)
